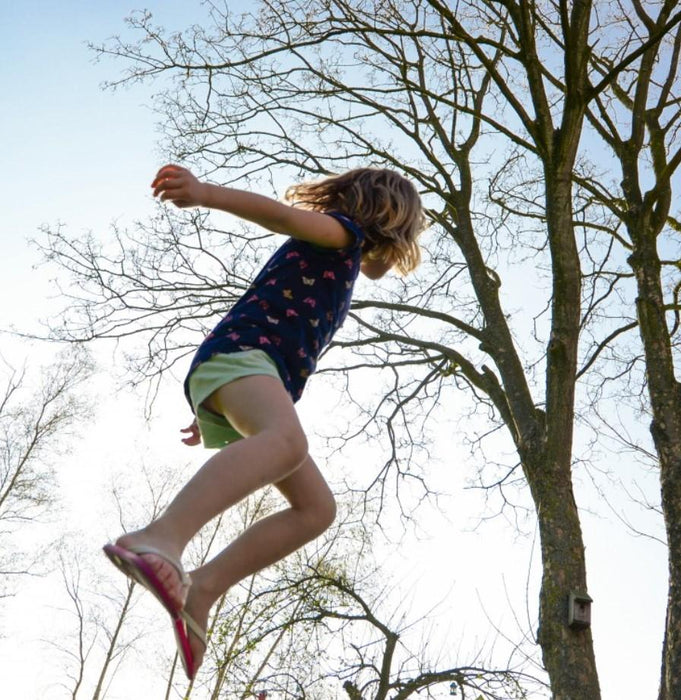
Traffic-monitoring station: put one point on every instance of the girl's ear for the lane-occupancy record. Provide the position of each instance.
(374, 269)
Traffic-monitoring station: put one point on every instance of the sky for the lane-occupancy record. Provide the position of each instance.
(84, 157)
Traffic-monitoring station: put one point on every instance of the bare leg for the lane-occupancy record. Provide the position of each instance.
(266, 542)
(273, 448)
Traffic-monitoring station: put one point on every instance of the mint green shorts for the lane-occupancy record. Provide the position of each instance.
(221, 369)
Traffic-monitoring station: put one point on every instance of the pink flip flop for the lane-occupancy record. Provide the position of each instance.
(132, 564)
(183, 624)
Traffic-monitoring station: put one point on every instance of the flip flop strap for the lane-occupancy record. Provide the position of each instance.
(193, 625)
(185, 580)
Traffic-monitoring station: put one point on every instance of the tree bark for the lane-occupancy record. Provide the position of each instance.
(568, 653)
(665, 401)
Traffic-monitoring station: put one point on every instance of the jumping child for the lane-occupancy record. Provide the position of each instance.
(248, 373)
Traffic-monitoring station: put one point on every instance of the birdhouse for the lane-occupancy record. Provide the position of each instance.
(579, 610)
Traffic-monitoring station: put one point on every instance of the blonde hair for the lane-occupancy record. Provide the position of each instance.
(385, 205)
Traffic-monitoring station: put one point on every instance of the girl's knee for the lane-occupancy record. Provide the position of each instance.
(295, 443)
(289, 445)
(310, 498)
(330, 512)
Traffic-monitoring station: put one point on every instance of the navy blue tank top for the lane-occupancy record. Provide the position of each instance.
(292, 309)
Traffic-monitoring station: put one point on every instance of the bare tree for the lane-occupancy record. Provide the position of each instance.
(103, 629)
(434, 90)
(325, 619)
(89, 627)
(378, 662)
(33, 412)
(638, 116)
(280, 630)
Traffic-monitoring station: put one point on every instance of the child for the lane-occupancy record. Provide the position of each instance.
(247, 374)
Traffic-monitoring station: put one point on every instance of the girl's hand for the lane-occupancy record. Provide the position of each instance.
(194, 437)
(179, 186)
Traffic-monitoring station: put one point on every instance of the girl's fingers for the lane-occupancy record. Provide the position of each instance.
(170, 169)
(166, 181)
(168, 195)
(166, 185)
(173, 183)
(168, 172)
(194, 438)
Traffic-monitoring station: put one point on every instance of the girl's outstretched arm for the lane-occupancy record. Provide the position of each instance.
(182, 188)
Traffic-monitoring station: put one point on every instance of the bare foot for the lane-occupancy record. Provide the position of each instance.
(176, 586)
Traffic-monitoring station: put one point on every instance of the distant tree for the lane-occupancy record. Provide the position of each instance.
(91, 633)
(279, 629)
(324, 620)
(377, 662)
(36, 408)
(103, 629)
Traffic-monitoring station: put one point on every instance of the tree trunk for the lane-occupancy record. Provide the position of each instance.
(665, 400)
(567, 652)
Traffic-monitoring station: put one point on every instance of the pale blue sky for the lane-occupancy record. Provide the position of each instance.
(72, 152)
